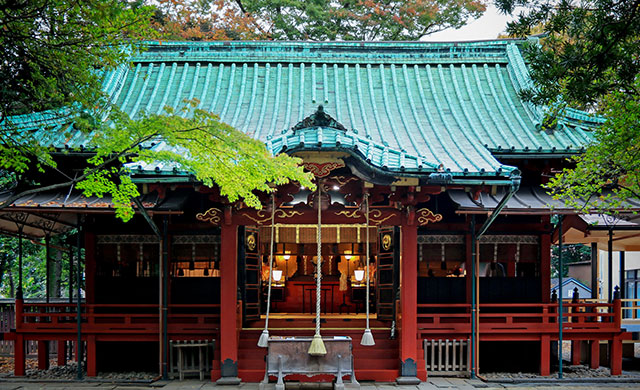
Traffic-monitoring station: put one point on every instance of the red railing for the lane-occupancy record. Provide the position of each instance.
(526, 318)
(117, 318)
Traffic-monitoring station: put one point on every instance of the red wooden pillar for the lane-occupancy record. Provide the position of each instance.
(409, 302)
(228, 302)
(19, 356)
(92, 368)
(43, 355)
(545, 355)
(545, 267)
(18, 344)
(615, 356)
(62, 353)
(575, 352)
(594, 355)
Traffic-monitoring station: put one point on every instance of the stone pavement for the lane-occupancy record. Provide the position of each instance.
(432, 384)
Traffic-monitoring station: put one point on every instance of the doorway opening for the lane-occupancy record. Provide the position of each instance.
(293, 284)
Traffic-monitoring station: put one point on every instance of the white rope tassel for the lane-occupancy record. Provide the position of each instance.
(317, 347)
(367, 336)
(263, 341)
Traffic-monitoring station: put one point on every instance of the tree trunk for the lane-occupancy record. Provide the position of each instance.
(11, 287)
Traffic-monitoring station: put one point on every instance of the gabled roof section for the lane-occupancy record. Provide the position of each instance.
(401, 106)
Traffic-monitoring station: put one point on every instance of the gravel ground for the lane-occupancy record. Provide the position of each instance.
(580, 371)
(69, 371)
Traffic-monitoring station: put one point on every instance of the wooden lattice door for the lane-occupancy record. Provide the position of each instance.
(249, 272)
(387, 271)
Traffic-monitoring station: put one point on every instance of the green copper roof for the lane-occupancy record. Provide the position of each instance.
(413, 107)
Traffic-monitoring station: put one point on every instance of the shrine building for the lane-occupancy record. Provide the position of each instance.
(426, 159)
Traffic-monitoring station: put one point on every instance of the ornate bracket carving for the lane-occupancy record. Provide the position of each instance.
(425, 216)
(213, 216)
(376, 216)
(263, 217)
(353, 214)
(322, 169)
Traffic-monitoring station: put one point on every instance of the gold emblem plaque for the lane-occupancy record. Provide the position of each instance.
(386, 242)
(251, 242)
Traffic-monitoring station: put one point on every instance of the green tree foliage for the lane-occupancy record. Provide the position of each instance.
(34, 268)
(52, 49)
(608, 173)
(589, 59)
(590, 48)
(55, 56)
(313, 19)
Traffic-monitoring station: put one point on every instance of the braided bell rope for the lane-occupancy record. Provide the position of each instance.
(262, 342)
(319, 260)
(366, 207)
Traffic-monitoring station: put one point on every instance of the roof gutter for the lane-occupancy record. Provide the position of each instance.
(515, 185)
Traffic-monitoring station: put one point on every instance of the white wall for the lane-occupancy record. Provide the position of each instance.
(632, 261)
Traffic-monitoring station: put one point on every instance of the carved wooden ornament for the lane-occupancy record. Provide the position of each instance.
(322, 169)
(425, 216)
(213, 216)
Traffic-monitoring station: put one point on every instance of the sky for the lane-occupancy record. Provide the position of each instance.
(488, 26)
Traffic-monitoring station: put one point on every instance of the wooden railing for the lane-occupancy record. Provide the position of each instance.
(630, 311)
(519, 318)
(114, 319)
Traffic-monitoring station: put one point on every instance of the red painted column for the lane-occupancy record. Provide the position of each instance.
(62, 353)
(545, 267)
(18, 344)
(92, 368)
(228, 302)
(43, 355)
(408, 304)
(545, 355)
(19, 356)
(615, 356)
(575, 352)
(594, 356)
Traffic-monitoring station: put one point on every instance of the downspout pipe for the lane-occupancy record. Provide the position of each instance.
(560, 296)
(165, 297)
(475, 304)
(79, 348)
(514, 187)
(162, 286)
(473, 296)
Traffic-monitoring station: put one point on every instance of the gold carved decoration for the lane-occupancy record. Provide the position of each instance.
(262, 216)
(322, 169)
(375, 215)
(349, 214)
(425, 216)
(386, 242)
(342, 180)
(213, 216)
